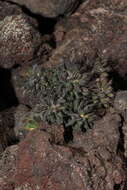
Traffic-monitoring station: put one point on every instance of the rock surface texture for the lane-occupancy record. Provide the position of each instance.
(35, 37)
(18, 40)
(95, 26)
(7, 135)
(49, 8)
(90, 162)
(120, 104)
(7, 9)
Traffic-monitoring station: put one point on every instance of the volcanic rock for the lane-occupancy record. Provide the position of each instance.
(19, 40)
(91, 164)
(49, 8)
(97, 26)
(8, 9)
(7, 135)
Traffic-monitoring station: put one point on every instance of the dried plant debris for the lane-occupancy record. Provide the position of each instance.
(70, 94)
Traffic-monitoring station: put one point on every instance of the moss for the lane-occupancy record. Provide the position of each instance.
(31, 125)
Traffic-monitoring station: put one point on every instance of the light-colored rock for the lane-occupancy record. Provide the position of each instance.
(18, 40)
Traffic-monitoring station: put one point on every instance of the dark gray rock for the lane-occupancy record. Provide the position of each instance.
(49, 8)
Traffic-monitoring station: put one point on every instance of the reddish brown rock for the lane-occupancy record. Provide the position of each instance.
(83, 164)
(93, 28)
(101, 27)
(93, 160)
(77, 45)
(27, 120)
(105, 133)
(117, 5)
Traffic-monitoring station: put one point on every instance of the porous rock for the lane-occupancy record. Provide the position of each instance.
(105, 133)
(6, 170)
(82, 164)
(19, 40)
(101, 27)
(91, 161)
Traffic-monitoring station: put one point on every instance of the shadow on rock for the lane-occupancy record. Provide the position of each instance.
(8, 100)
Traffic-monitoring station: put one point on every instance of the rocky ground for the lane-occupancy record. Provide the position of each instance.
(53, 54)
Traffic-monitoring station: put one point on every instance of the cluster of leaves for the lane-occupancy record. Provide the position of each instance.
(72, 95)
(103, 86)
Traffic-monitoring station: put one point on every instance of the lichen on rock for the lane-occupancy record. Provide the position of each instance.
(18, 40)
